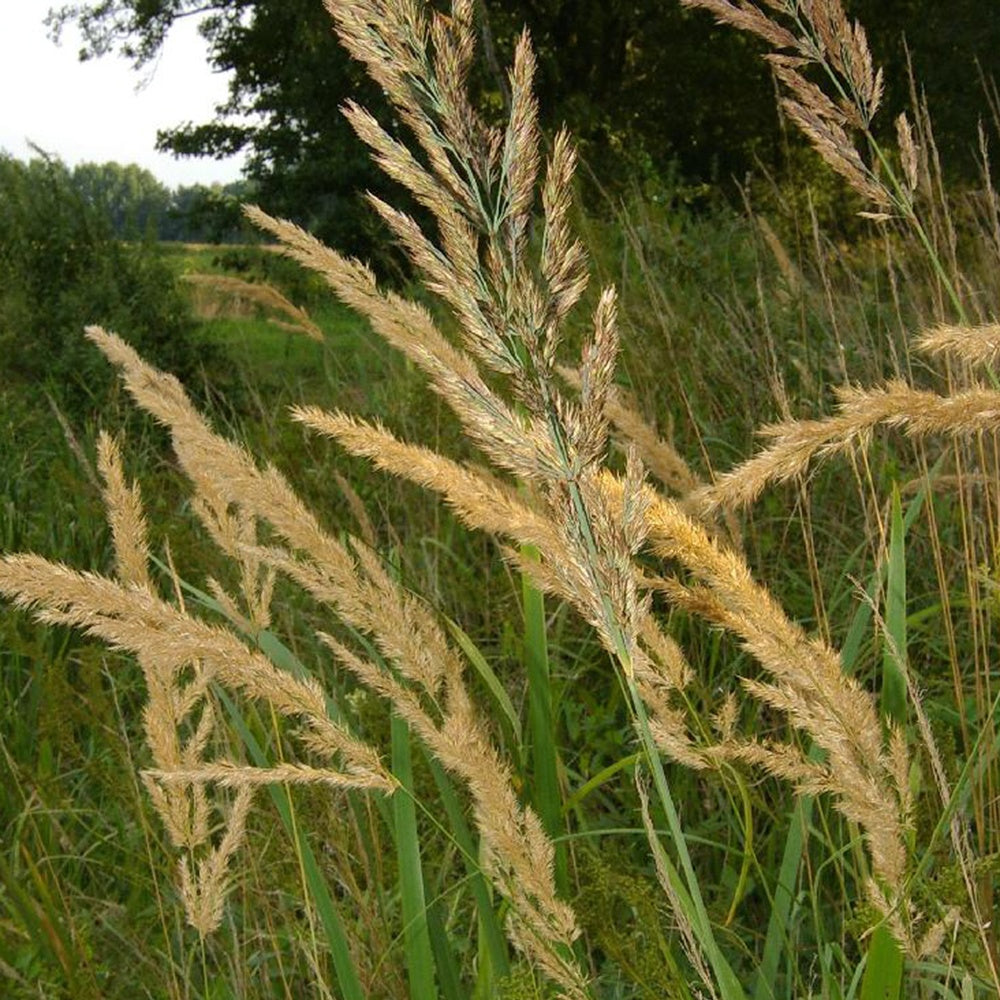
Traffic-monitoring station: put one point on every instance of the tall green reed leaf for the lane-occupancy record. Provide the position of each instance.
(687, 892)
(778, 936)
(319, 892)
(778, 940)
(883, 979)
(416, 939)
(508, 714)
(444, 956)
(546, 793)
(492, 955)
(893, 671)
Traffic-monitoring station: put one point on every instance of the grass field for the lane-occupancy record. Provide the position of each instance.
(799, 801)
(85, 872)
(87, 880)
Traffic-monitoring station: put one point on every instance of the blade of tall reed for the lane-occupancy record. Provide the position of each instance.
(416, 939)
(444, 957)
(602, 777)
(38, 915)
(492, 943)
(687, 892)
(883, 979)
(893, 679)
(546, 795)
(746, 864)
(333, 928)
(778, 938)
(487, 675)
(862, 620)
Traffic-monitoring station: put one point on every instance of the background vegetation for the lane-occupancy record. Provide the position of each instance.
(650, 90)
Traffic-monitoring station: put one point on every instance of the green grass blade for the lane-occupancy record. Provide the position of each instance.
(883, 979)
(333, 928)
(546, 796)
(492, 943)
(861, 622)
(416, 938)
(602, 777)
(447, 969)
(497, 692)
(884, 968)
(36, 914)
(687, 890)
(784, 892)
(894, 653)
(983, 751)
(781, 905)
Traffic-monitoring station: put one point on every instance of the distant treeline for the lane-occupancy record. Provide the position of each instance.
(138, 205)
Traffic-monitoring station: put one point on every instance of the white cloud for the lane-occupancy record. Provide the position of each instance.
(93, 111)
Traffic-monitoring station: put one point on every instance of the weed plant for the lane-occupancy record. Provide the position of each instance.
(681, 790)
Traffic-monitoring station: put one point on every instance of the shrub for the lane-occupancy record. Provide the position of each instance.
(60, 267)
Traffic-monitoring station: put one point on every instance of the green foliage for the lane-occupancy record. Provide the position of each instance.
(519, 985)
(204, 213)
(746, 327)
(60, 269)
(136, 205)
(131, 198)
(628, 919)
(268, 948)
(643, 85)
(287, 67)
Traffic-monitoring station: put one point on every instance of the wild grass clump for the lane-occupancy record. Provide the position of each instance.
(595, 509)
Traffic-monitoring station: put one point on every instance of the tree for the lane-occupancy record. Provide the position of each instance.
(643, 84)
(208, 213)
(60, 269)
(626, 76)
(131, 197)
(289, 78)
(954, 49)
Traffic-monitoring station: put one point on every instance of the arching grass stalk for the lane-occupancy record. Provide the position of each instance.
(688, 891)
(588, 524)
(823, 36)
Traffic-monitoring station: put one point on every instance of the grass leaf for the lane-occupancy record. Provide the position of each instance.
(546, 792)
(416, 939)
(336, 936)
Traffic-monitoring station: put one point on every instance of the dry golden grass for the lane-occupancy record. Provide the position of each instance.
(795, 443)
(223, 295)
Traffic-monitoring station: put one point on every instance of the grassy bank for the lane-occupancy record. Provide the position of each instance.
(88, 879)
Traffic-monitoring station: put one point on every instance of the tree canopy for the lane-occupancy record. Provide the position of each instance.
(646, 86)
(135, 204)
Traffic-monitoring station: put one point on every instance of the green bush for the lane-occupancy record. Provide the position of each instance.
(60, 269)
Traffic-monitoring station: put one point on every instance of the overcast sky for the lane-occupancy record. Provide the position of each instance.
(92, 111)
